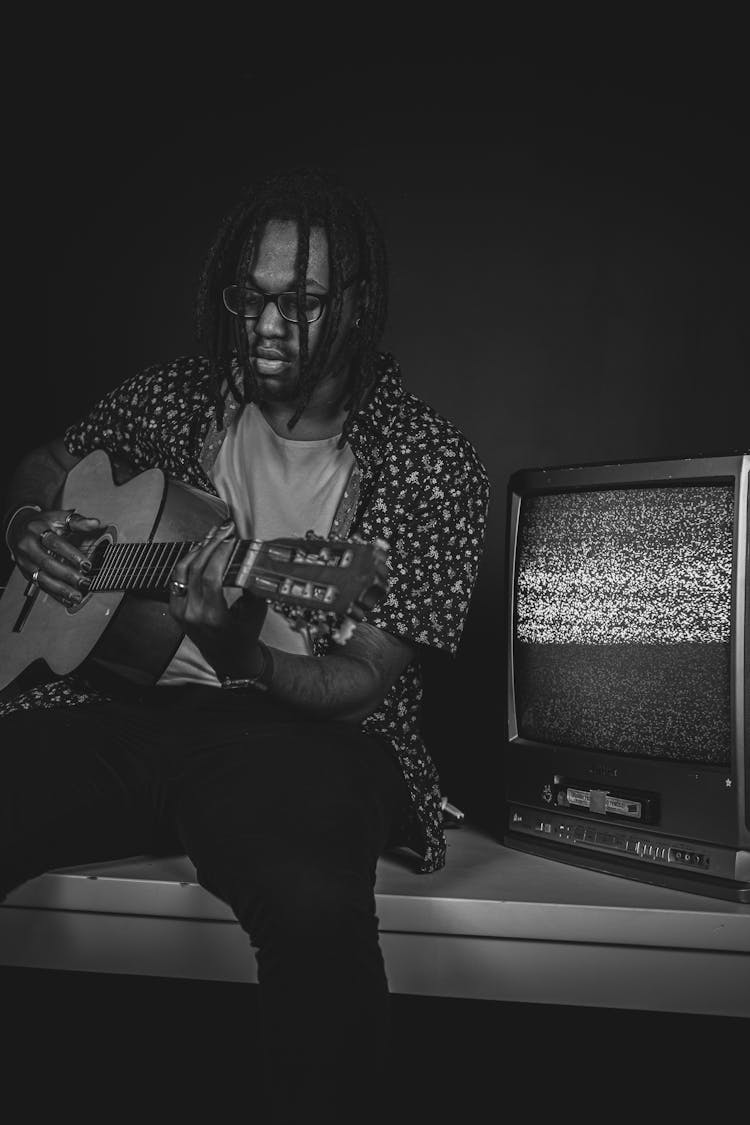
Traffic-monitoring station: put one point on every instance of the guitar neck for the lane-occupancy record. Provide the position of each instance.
(147, 567)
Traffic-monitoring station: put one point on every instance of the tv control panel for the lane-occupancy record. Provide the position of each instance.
(564, 831)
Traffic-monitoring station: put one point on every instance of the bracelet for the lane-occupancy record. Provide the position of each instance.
(261, 681)
(9, 523)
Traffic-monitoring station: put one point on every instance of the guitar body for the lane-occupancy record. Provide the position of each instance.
(132, 635)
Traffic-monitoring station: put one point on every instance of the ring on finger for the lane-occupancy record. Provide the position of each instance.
(177, 589)
(35, 577)
(69, 517)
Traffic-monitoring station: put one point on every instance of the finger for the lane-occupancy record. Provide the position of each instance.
(60, 578)
(60, 571)
(177, 597)
(78, 522)
(188, 586)
(198, 554)
(214, 566)
(216, 539)
(46, 535)
(55, 544)
(198, 595)
(60, 591)
(68, 521)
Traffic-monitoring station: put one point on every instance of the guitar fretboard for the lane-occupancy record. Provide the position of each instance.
(148, 566)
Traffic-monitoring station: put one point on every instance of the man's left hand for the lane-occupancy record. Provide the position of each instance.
(226, 636)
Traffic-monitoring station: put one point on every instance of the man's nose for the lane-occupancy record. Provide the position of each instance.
(270, 322)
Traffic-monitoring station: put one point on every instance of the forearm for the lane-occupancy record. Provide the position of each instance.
(328, 687)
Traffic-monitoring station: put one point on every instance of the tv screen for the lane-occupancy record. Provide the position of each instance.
(622, 625)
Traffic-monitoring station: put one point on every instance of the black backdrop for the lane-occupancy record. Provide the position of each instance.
(566, 216)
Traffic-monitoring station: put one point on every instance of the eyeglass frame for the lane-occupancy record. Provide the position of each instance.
(322, 297)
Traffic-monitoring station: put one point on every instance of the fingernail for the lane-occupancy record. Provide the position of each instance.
(226, 524)
(84, 583)
(85, 566)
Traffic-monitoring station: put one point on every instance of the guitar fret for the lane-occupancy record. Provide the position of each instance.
(110, 561)
(97, 579)
(176, 552)
(119, 560)
(141, 557)
(157, 551)
(119, 573)
(146, 568)
(170, 561)
(159, 578)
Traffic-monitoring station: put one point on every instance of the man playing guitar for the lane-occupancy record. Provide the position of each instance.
(283, 763)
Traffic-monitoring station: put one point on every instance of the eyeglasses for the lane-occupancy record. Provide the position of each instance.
(250, 303)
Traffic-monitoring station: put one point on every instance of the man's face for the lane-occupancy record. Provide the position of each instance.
(273, 341)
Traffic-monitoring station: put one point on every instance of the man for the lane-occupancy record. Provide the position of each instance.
(282, 766)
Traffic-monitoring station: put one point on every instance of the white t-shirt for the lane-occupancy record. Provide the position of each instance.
(273, 486)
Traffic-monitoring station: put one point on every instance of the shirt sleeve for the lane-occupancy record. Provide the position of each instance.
(122, 423)
(436, 548)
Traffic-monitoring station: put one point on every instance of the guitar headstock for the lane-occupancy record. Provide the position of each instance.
(324, 585)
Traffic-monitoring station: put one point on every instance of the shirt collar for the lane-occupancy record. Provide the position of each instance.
(371, 425)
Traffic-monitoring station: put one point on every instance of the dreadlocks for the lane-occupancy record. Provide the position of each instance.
(309, 197)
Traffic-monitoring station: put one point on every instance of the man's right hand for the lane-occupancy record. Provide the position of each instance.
(49, 547)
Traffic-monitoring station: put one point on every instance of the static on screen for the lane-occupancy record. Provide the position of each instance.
(622, 620)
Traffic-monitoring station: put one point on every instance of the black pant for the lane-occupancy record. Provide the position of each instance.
(284, 819)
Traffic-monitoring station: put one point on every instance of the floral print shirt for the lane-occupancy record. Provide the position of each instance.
(417, 482)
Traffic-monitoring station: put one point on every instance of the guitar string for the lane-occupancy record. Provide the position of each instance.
(122, 571)
(120, 563)
(167, 565)
(105, 569)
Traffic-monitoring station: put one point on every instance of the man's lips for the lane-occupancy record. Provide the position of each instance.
(268, 353)
(269, 361)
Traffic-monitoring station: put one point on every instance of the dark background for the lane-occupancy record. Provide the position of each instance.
(566, 213)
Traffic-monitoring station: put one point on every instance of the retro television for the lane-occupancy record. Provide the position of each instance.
(628, 658)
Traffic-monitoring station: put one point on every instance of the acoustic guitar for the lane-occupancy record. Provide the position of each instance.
(123, 623)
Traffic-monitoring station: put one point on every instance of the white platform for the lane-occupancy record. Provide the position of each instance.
(495, 924)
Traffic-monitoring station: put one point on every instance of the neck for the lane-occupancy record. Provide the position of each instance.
(315, 424)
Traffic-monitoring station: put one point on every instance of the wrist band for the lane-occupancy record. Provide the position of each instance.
(9, 523)
(261, 681)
